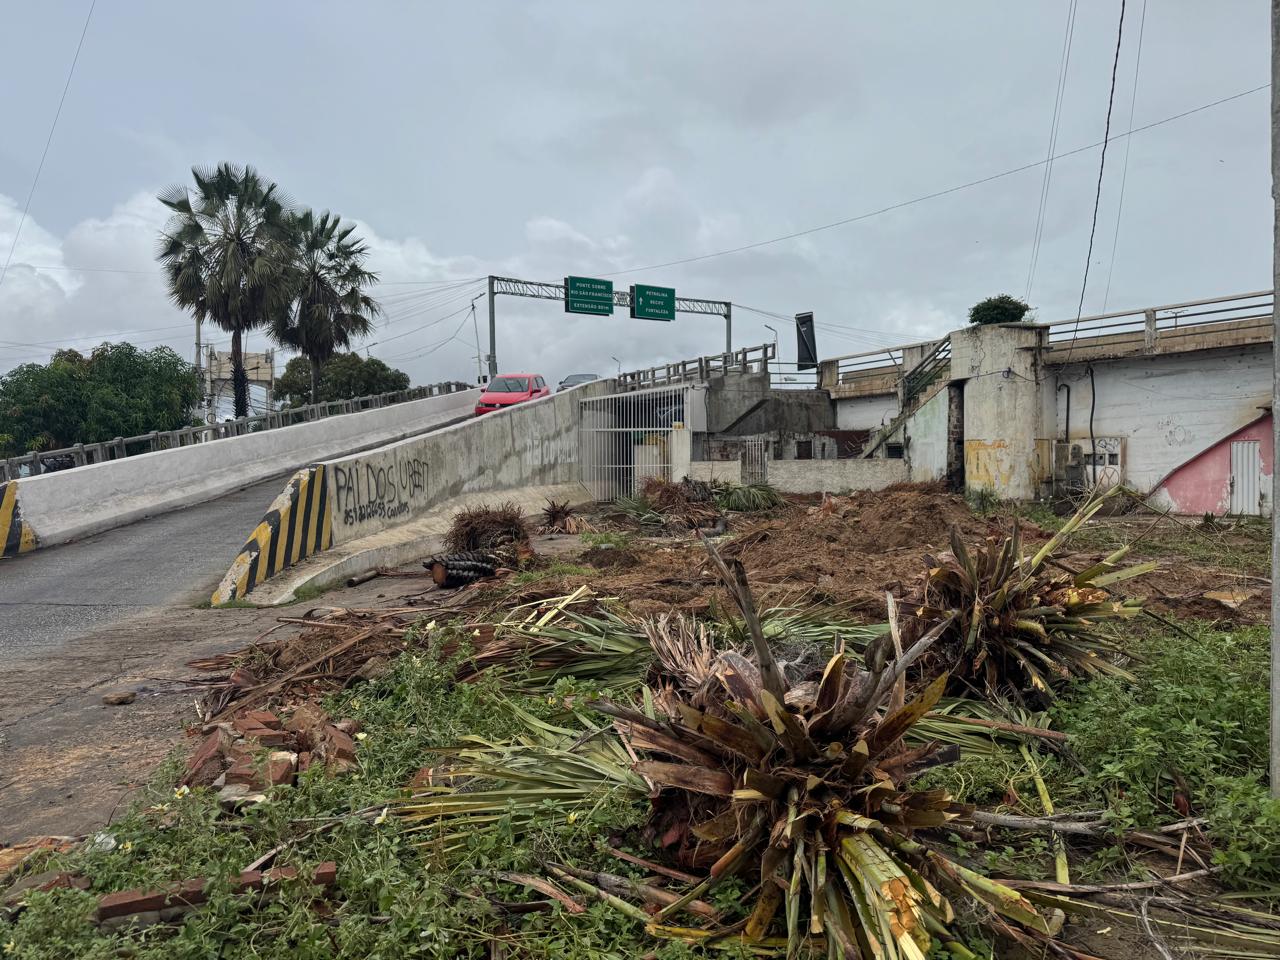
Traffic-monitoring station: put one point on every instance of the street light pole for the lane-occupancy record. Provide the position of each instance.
(1275, 395)
(775, 340)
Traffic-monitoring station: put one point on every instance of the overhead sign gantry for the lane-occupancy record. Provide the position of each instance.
(597, 297)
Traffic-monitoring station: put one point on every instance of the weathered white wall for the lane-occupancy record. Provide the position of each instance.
(927, 438)
(834, 476)
(75, 503)
(726, 471)
(1169, 408)
(1002, 407)
(866, 413)
(528, 444)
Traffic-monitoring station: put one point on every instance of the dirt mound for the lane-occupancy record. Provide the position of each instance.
(850, 550)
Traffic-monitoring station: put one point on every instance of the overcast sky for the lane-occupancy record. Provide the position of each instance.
(536, 140)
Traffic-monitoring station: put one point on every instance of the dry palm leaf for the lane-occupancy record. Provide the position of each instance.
(1014, 623)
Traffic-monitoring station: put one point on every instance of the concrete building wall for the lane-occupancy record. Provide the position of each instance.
(1166, 408)
(531, 443)
(1004, 446)
(725, 471)
(75, 503)
(927, 439)
(1205, 483)
(835, 476)
(866, 413)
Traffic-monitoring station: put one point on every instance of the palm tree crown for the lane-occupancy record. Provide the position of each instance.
(331, 306)
(226, 256)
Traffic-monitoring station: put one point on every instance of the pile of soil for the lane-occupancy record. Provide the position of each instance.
(850, 550)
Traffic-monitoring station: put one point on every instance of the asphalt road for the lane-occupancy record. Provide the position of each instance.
(50, 597)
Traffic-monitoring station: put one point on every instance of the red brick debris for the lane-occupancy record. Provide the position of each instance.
(171, 903)
(230, 755)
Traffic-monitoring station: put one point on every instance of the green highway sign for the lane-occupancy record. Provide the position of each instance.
(588, 295)
(652, 303)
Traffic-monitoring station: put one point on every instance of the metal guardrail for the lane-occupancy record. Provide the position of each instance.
(1156, 323)
(83, 454)
(746, 360)
(789, 376)
(1147, 326)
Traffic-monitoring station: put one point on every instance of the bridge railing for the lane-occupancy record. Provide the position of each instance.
(1172, 320)
(82, 454)
(746, 360)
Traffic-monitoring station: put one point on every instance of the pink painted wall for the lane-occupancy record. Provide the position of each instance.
(1203, 483)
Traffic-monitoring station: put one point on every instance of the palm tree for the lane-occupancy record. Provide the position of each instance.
(226, 256)
(331, 307)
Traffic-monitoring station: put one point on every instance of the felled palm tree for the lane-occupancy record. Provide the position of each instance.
(226, 257)
(332, 307)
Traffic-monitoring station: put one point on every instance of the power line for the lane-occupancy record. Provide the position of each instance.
(48, 140)
(1102, 166)
(939, 193)
(1059, 96)
(1124, 176)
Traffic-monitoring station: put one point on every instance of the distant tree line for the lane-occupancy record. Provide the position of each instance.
(341, 377)
(115, 391)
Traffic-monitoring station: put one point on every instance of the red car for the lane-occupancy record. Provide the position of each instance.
(510, 389)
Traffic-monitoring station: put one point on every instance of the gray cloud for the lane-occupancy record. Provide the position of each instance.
(542, 139)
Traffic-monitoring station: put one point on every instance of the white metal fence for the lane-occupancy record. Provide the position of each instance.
(625, 438)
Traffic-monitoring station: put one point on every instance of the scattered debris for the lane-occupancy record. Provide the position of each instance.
(489, 529)
(452, 570)
(559, 516)
(120, 699)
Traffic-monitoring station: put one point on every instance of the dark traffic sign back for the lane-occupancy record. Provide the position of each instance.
(588, 295)
(652, 303)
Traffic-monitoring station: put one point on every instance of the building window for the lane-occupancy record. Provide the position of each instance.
(894, 451)
(804, 449)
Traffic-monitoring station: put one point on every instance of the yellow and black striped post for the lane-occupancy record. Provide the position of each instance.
(16, 535)
(296, 526)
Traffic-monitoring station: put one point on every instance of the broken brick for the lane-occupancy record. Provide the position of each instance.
(208, 761)
(264, 718)
(308, 722)
(127, 902)
(280, 767)
(326, 874)
(279, 874)
(338, 745)
(304, 760)
(348, 726)
(190, 893)
(249, 880)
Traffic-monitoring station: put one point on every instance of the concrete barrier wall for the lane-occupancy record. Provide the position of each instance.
(62, 506)
(835, 476)
(533, 443)
(16, 535)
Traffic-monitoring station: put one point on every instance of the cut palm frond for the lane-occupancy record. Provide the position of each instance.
(559, 516)
(748, 498)
(638, 510)
(805, 789)
(550, 769)
(1015, 624)
(488, 529)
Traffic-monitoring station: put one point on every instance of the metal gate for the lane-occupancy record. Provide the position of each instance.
(1246, 478)
(752, 457)
(625, 438)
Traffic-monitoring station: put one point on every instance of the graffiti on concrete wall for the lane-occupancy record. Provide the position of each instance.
(382, 488)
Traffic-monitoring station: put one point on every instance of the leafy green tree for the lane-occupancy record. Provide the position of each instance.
(227, 255)
(116, 391)
(999, 309)
(343, 376)
(331, 306)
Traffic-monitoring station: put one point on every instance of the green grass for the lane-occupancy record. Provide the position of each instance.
(391, 899)
(555, 569)
(1196, 715)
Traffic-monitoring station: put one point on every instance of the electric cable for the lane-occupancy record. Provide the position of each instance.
(48, 140)
(1059, 95)
(1124, 167)
(1102, 167)
(940, 193)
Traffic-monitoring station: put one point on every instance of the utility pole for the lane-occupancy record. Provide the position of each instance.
(493, 334)
(199, 362)
(728, 328)
(1275, 395)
